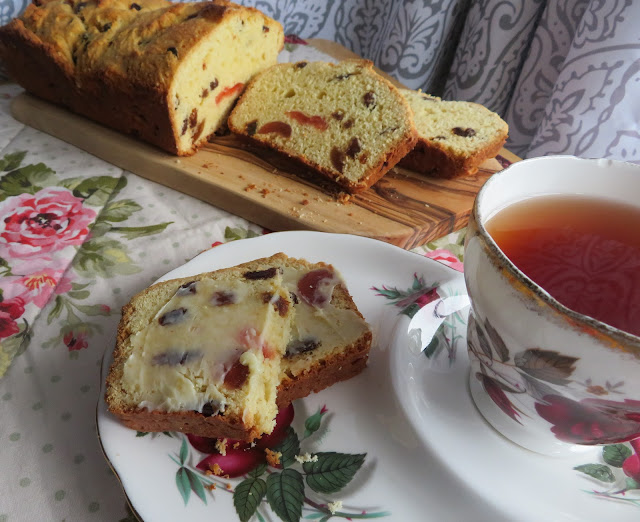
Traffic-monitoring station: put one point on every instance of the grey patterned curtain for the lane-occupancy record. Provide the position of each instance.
(565, 74)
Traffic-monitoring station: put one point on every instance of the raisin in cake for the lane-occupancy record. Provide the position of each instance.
(344, 121)
(202, 354)
(329, 340)
(167, 73)
(454, 137)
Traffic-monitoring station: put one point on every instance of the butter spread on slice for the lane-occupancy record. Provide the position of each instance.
(179, 361)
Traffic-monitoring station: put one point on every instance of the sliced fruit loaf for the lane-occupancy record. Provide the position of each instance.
(343, 121)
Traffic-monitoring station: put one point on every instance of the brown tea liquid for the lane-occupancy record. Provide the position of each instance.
(584, 251)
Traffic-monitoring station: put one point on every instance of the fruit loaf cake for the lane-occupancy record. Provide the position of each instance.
(454, 137)
(202, 354)
(167, 73)
(344, 121)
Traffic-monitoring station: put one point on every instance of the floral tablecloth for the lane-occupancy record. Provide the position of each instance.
(78, 237)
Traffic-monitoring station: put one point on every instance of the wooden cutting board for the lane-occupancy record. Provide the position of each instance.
(403, 208)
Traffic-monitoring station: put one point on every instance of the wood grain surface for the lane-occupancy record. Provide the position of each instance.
(403, 208)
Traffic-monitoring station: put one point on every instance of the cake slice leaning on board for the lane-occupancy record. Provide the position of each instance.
(217, 354)
(454, 137)
(165, 72)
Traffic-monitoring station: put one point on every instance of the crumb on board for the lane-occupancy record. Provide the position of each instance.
(264, 192)
(249, 187)
(206, 165)
(305, 202)
(343, 198)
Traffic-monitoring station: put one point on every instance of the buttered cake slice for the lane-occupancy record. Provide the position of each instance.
(202, 354)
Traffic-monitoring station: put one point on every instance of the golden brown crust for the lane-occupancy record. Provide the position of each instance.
(325, 372)
(430, 159)
(113, 61)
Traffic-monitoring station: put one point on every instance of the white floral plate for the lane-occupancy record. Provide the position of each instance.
(408, 442)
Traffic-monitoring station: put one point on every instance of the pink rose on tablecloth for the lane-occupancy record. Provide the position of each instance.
(36, 280)
(10, 310)
(75, 340)
(591, 421)
(36, 224)
(446, 257)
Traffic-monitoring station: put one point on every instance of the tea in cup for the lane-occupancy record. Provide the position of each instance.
(552, 267)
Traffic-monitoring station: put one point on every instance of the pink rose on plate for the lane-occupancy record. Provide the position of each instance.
(591, 421)
(446, 257)
(36, 224)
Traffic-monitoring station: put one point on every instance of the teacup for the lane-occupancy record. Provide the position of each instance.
(546, 377)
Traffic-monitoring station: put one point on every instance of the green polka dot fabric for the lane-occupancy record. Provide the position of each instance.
(61, 299)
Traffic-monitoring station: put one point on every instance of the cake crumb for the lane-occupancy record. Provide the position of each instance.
(305, 202)
(221, 446)
(249, 187)
(273, 457)
(307, 457)
(206, 165)
(343, 198)
(217, 470)
(211, 486)
(334, 506)
(229, 486)
(264, 192)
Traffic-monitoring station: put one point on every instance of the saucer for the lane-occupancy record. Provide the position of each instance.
(406, 426)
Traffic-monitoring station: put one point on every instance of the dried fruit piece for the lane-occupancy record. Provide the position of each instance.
(223, 298)
(315, 121)
(229, 91)
(176, 358)
(187, 289)
(172, 317)
(316, 287)
(236, 376)
(251, 127)
(337, 159)
(465, 133)
(354, 147)
(281, 306)
(261, 274)
(369, 99)
(301, 346)
(193, 118)
(278, 127)
(211, 408)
